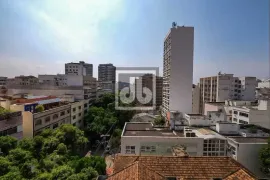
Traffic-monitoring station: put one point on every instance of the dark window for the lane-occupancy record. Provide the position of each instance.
(74, 109)
(80, 107)
(85, 105)
(47, 119)
(38, 122)
(55, 126)
(74, 124)
(80, 114)
(68, 111)
(55, 116)
(74, 117)
(242, 122)
(235, 112)
(243, 114)
(62, 113)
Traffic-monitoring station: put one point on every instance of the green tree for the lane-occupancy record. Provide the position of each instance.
(7, 143)
(14, 173)
(38, 144)
(72, 137)
(160, 121)
(30, 169)
(90, 172)
(26, 144)
(62, 149)
(49, 145)
(62, 172)
(4, 166)
(19, 156)
(44, 176)
(39, 108)
(265, 158)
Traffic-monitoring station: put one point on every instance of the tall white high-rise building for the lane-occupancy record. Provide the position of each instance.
(178, 70)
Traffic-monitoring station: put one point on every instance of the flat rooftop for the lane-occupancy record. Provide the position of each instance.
(250, 139)
(146, 129)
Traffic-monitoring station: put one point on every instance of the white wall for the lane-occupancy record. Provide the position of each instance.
(224, 83)
(264, 84)
(227, 128)
(181, 77)
(249, 85)
(248, 155)
(194, 145)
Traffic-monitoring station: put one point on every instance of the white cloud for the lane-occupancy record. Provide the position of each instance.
(76, 24)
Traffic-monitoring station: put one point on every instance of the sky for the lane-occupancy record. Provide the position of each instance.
(38, 37)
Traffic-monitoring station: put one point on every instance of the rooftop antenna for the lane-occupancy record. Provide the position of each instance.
(174, 24)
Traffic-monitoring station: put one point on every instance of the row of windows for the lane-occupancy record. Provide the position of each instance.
(148, 148)
(8, 131)
(80, 114)
(214, 154)
(48, 118)
(130, 149)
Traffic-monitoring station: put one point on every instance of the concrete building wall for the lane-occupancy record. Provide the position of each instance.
(163, 144)
(210, 107)
(27, 125)
(196, 99)
(247, 154)
(264, 84)
(249, 85)
(77, 113)
(227, 128)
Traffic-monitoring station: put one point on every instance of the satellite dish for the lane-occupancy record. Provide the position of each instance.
(174, 24)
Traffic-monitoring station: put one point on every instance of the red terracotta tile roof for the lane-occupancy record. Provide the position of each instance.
(239, 175)
(196, 168)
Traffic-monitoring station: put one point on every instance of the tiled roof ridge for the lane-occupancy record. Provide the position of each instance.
(134, 163)
(241, 167)
(140, 164)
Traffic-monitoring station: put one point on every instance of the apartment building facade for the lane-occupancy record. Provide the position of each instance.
(178, 70)
(77, 113)
(154, 84)
(3, 81)
(106, 72)
(80, 68)
(246, 113)
(34, 123)
(61, 80)
(224, 87)
(22, 80)
(264, 84)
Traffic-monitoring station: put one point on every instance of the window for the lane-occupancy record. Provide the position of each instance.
(85, 105)
(62, 113)
(47, 119)
(80, 107)
(130, 149)
(55, 126)
(242, 122)
(74, 124)
(68, 111)
(74, 117)
(55, 116)
(243, 114)
(234, 119)
(38, 122)
(80, 114)
(74, 109)
(235, 112)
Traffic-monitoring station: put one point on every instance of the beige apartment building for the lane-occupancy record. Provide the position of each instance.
(77, 113)
(226, 87)
(34, 123)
